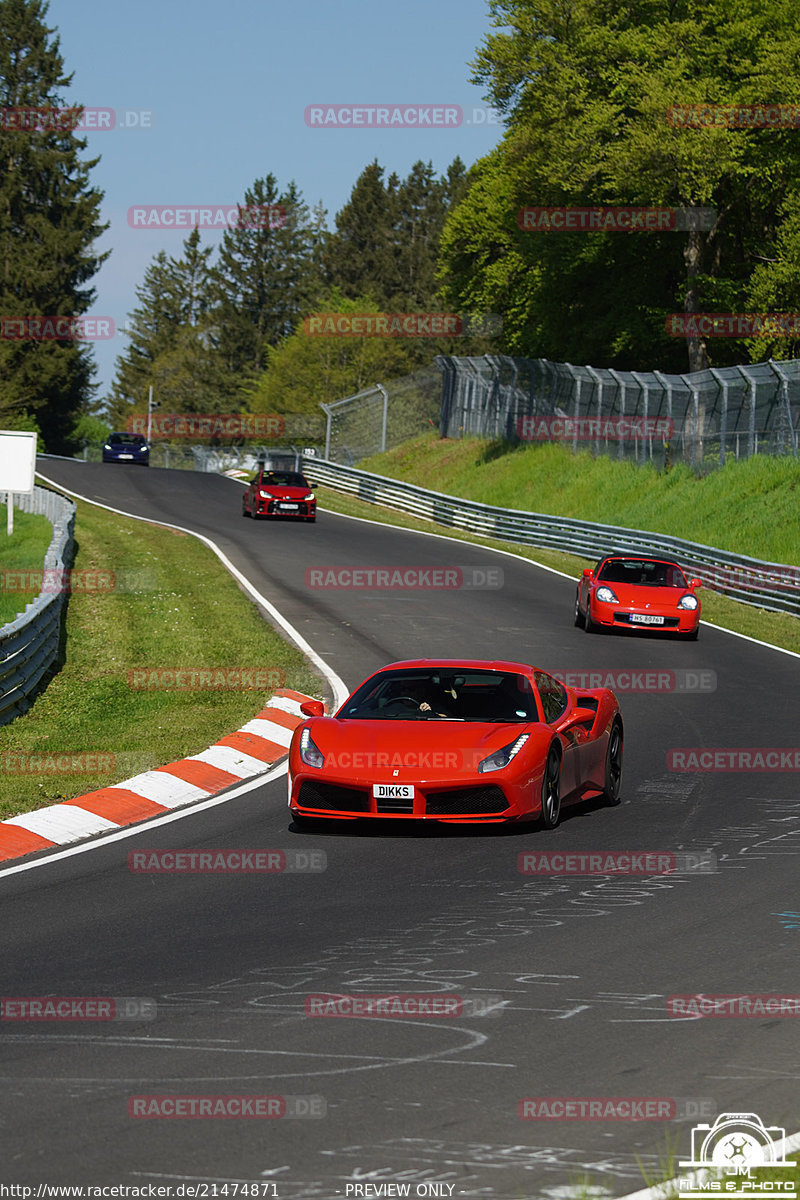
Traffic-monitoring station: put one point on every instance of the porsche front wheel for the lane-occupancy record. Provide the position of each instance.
(551, 790)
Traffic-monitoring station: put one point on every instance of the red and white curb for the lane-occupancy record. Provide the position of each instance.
(249, 751)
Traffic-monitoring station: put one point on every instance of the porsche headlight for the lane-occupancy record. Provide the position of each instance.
(501, 758)
(310, 753)
(688, 601)
(606, 595)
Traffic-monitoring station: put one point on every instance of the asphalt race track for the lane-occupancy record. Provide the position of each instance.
(584, 964)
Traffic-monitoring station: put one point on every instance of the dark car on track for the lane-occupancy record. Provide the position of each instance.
(127, 447)
(280, 494)
(638, 591)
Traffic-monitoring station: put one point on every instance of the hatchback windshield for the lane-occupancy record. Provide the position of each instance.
(283, 479)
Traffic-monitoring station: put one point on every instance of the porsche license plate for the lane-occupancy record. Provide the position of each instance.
(288, 506)
(393, 791)
(647, 619)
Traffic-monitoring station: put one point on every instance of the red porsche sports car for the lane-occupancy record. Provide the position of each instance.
(457, 740)
(279, 494)
(645, 591)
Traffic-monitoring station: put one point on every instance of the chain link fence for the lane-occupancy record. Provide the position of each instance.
(701, 418)
(382, 416)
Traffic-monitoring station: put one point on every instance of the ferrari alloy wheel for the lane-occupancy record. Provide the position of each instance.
(614, 764)
(551, 790)
(579, 618)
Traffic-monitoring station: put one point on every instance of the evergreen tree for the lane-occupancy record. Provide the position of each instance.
(49, 222)
(361, 257)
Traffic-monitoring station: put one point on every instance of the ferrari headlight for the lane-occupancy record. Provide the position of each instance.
(606, 595)
(688, 601)
(310, 753)
(501, 758)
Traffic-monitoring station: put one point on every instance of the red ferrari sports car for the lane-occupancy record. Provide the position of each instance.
(627, 591)
(279, 494)
(457, 740)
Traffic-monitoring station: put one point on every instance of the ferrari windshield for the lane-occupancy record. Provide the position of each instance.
(647, 572)
(443, 695)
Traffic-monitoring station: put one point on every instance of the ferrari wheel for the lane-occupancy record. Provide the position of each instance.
(579, 617)
(614, 764)
(551, 790)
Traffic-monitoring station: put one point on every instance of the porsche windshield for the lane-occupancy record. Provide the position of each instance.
(418, 695)
(642, 572)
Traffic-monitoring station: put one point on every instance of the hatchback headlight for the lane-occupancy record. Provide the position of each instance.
(501, 758)
(688, 601)
(310, 753)
(606, 596)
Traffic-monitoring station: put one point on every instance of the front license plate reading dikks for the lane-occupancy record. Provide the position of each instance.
(393, 791)
(647, 619)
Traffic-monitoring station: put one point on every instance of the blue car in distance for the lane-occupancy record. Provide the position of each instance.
(127, 447)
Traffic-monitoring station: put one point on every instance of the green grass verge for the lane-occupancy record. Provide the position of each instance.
(747, 507)
(780, 629)
(186, 612)
(22, 552)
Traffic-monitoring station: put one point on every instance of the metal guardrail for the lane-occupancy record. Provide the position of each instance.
(29, 645)
(773, 586)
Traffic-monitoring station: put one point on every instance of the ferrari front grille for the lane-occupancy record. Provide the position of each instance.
(490, 799)
(332, 797)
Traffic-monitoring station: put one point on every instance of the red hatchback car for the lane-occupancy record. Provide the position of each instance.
(279, 494)
(458, 740)
(626, 591)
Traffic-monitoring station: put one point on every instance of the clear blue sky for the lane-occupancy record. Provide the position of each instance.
(228, 83)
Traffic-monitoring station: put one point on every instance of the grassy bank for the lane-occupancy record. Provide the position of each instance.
(21, 553)
(170, 605)
(749, 507)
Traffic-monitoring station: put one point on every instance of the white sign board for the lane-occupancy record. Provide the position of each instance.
(17, 461)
